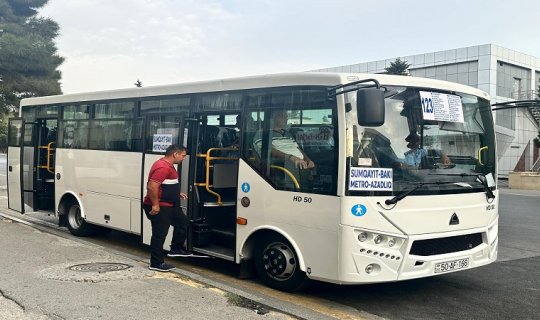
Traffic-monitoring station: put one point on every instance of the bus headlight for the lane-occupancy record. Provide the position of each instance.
(378, 239)
(362, 236)
(392, 242)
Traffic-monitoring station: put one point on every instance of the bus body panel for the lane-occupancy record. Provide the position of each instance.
(416, 215)
(107, 183)
(311, 227)
(396, 262)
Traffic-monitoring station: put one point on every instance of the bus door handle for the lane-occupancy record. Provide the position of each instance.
(10, 168)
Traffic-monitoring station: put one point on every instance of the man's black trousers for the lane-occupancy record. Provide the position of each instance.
(161, 222)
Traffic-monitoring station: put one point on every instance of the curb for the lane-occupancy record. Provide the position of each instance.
(255, 300)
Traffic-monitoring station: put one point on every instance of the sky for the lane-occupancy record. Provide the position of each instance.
(112, 44)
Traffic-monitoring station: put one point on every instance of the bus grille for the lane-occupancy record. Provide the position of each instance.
(432, 247)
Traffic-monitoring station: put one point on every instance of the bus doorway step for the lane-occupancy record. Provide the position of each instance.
(224, 237)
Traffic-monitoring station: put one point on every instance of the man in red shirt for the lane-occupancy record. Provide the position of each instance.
(162, 207)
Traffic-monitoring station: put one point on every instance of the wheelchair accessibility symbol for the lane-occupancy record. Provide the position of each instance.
(359, 210)
(246, 187)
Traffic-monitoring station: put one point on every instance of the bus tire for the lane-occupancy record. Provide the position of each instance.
(75, 222)
(277, 264)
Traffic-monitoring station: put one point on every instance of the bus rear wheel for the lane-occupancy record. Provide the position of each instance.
(277, 264)
(75, 222)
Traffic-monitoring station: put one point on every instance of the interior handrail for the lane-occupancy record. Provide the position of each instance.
(289, 173)
(209, 158)
(50, 154)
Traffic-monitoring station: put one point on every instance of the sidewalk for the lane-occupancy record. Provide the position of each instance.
(45, 276)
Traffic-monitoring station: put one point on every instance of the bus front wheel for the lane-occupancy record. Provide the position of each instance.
(277, 264)
(75, 222)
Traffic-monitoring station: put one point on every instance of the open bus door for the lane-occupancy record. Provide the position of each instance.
(31, 164)
(160, 132)
(213, 175)
(14, 164)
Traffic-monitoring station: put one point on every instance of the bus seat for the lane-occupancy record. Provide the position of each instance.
(225, 175)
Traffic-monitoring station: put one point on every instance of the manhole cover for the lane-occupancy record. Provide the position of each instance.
(99, 267)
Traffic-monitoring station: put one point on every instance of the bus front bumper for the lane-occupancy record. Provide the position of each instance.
(367, 262)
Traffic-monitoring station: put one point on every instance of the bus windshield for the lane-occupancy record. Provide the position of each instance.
(440, 140)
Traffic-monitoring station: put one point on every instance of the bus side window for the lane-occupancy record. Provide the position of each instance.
(80, 135)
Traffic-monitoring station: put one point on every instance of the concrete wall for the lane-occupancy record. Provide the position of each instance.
(524, 180)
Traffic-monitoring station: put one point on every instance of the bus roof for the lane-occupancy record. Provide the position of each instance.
(252, 82)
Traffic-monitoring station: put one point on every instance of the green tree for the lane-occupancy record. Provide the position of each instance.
(28, 55)
(398, 67)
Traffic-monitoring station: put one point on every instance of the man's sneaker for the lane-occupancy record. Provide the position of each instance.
(163, 267)
(174, 253)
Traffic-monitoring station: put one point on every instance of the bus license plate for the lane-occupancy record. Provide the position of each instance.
(451, 265)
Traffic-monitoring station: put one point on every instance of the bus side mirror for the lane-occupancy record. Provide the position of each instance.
(370, 107)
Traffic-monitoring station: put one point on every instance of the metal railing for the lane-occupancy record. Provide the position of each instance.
(209, 160)
(536, 166)
(49, 165)
(524, 95)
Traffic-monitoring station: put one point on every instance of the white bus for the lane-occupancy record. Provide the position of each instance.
(364, 213)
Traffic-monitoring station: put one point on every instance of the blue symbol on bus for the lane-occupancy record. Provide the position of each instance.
(359, 210)
(245, 187)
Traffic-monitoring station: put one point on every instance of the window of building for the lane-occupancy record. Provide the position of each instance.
(506, 118)
(513, 81)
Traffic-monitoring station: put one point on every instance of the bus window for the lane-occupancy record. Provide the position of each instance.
(297, 150)
(114, 110)
(74, 134)
(76, 112)
(162, 125)
(219, 102)
(165, 105)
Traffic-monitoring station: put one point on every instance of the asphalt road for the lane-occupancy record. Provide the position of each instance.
(506, 289)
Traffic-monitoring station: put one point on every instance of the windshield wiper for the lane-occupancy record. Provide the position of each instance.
(480, 178)
(405, 193)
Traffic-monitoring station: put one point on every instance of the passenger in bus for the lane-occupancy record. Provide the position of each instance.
(162, 207)
(235, 134)
(284, 147)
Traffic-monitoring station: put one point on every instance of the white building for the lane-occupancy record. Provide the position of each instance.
(505, 74)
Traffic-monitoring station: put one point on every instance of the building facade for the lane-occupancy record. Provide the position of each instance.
(505, 74)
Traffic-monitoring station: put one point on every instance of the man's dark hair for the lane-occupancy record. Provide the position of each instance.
(174, 148)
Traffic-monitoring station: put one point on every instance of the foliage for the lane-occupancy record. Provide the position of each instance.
(398, 67)
(28, 56)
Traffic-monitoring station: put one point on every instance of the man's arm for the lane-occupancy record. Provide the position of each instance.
(152, 189)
